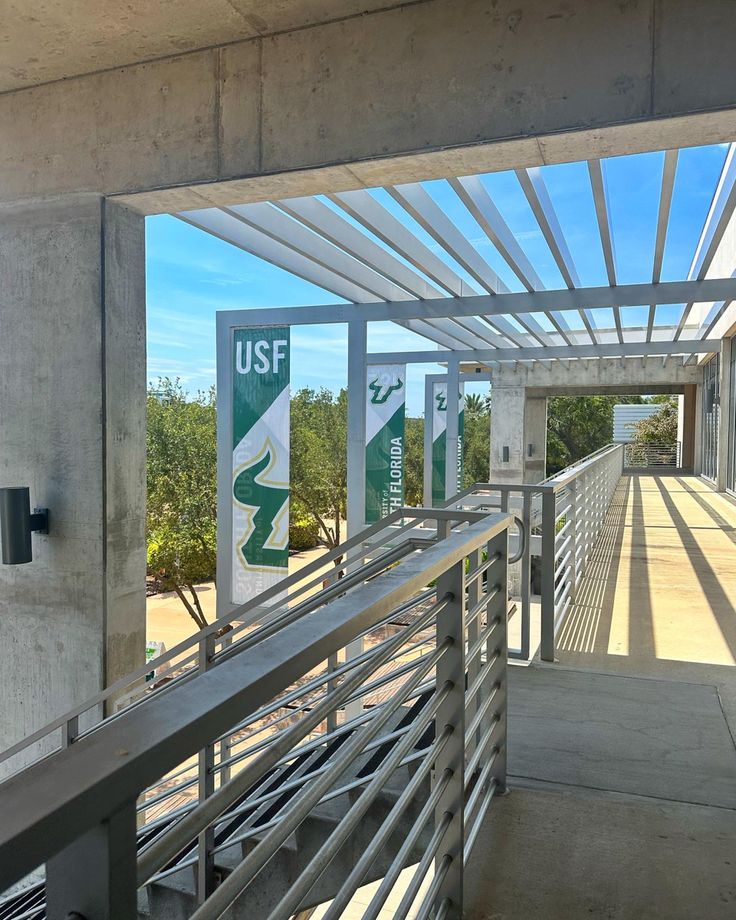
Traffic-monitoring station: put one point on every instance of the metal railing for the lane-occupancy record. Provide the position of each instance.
(562, 516)
(227, 764)
(575, 503)
(651, 455)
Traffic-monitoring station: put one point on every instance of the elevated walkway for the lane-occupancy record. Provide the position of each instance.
(622, 758)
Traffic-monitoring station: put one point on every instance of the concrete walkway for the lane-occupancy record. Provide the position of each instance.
(622, 755)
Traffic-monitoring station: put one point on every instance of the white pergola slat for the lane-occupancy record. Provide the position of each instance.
(426, 274)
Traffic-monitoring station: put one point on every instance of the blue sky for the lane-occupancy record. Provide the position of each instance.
(191, 275)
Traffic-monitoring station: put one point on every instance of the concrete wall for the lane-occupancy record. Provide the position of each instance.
(517, 421)
(72, 416)
(428, 89)
(434, 88)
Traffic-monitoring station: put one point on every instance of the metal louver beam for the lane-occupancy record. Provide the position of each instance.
(233, 230)
(364, 208)
(719, 214)
(602, 213)
(533, 186)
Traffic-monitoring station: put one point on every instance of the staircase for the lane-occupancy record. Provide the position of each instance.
(268, 775)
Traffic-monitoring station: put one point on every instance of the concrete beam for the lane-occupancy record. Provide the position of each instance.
(605, 375)
(492, 86)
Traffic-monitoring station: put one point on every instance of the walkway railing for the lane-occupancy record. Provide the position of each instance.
(208, 778)
(563, 516)
(651, 455)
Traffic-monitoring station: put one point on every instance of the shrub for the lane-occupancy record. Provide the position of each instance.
(303, 534)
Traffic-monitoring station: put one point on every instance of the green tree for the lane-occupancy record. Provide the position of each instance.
(476, 446)
(659, 428)
(414, 462)
(181, 515)
(319, 460)
(579, 425)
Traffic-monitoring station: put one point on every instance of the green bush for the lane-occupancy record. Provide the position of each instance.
(303, 534)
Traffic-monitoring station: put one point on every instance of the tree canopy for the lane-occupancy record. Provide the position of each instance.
(181, 515)
(319, 473)
(659, 428)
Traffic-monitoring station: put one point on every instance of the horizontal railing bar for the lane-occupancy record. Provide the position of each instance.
(241, 877)
(195, 823)
(478, 823)
(407, 847)
(45, 810)
(388, 826)
(427, 905)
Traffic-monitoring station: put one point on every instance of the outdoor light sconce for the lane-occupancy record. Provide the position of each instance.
(505, 454)
(16, 524)
(530, 450)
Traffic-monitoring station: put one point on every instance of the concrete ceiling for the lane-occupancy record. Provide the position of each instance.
(45, 40)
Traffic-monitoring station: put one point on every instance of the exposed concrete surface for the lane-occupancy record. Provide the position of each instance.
(503, 83)
(660, 584)
(657, 738)
(600, 375)
(44, 40)
(72, 411)
(561, 854)
(517, 421)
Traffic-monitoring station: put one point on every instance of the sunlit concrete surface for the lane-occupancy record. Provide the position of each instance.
(661, 583)
(622, 754)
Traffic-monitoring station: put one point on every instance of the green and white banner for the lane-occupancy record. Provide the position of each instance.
(260, 460)
(439, 440)
(384, 438)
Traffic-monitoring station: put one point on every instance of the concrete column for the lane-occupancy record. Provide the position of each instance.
(535, 438)
(517, 421)
(72, 427)
(686, 426)
(698, 431)
(724, 413)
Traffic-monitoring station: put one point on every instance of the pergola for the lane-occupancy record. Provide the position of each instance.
(398, 254)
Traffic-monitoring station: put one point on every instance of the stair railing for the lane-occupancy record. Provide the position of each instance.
(124, 807)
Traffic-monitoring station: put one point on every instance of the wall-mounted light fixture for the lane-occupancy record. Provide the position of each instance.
(505, 454)
(17, 523)
(530, 450)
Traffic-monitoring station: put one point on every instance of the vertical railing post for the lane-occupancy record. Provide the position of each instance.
(526, 576)
(206, 784)
(549, 505)
(95, 877)
(451, 671)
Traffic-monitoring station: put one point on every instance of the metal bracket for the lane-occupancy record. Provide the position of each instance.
(40, 520)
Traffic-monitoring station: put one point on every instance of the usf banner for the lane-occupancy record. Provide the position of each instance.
(384, 452)
(260, 460)
(439, 440)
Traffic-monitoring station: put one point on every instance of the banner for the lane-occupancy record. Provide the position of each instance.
(384, 438)
(260, 462)
(439, 440)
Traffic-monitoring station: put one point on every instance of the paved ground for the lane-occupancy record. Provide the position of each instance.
(622, 757)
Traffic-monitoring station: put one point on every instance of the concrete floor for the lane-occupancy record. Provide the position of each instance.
(622, 758)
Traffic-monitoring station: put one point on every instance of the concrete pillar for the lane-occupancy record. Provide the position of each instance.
(698, 431)
(686, 426)
(517, 421)
(724, 413)
(72, 427)
(535, 438)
